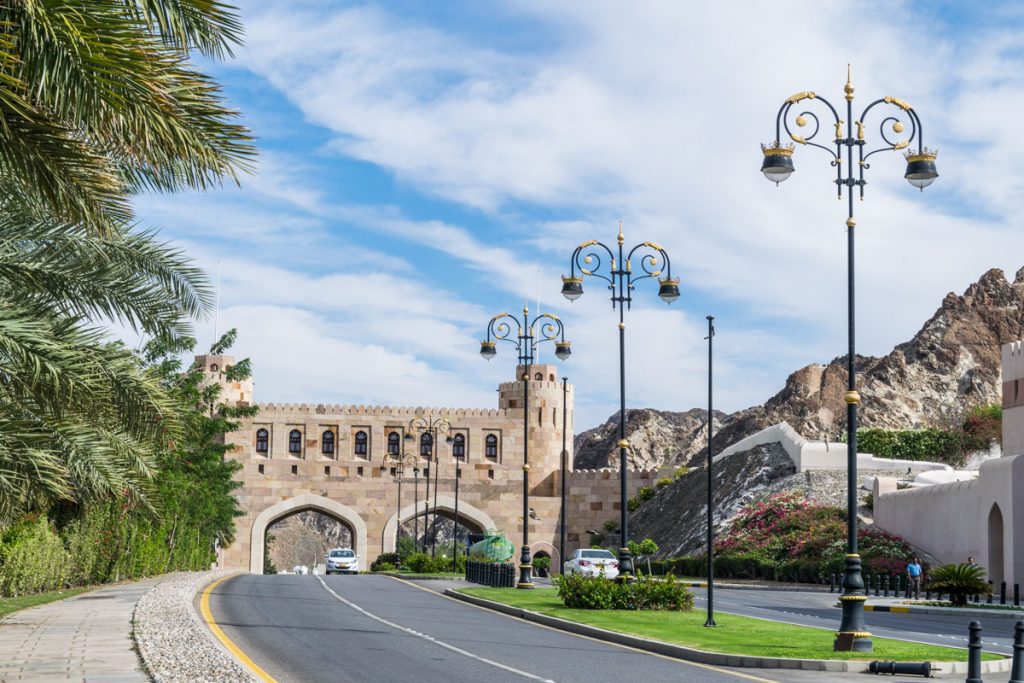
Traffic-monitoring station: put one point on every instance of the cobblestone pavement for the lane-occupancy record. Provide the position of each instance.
(85, 638)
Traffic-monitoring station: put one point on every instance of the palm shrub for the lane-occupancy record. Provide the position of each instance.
(960, 581)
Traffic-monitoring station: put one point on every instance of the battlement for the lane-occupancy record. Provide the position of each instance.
(1013, 361)
(378, 411)
(610, 473)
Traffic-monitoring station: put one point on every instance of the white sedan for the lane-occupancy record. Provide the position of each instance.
(591, 562)
(342, 561)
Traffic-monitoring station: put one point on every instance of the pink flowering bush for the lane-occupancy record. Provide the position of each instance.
(790, 538)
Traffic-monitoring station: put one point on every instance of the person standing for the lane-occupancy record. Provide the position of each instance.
(914, 574)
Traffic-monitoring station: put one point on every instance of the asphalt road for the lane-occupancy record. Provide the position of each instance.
(818, 609)
(373, 629)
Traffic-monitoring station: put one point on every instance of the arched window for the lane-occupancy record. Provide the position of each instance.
(327, 443)
(394, 442)
(295, 442)
(362, 443)
(539, 376)
(426, 444)
(262, 441)
(459, 446)
(491, 447)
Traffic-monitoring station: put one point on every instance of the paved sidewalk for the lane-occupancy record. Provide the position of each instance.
(84, 638)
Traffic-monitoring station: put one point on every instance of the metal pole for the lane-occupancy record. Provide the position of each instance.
(416, 508)
(711, 483)
(852, 635)
(433, 512)
(625, 560)
(974, 653)
(525, 566)
(565, 459)
(455, 533)
(398, 511)
(1017, 672)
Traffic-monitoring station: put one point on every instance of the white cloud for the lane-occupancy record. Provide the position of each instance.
(652, 115)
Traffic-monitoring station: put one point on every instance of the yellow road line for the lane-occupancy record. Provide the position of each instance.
(688, 662)
(204, 608)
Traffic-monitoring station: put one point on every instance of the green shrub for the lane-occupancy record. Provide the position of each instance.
(663, 482)
(681, 471)
(959, 580)
(938, 445)
(594, 592)
(645, 493)
(32, 558)
(632, 504)
(982, 426)
(610, 526)
(541, 566)
(390, 559)
(423, 563)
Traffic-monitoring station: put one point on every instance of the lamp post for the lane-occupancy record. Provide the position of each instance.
(621, 279)
(920, 172)
(455, 534)
(711, 483)
(435, 427)
(400, 462)
(543, 328)
(565, 458)
(416, 507)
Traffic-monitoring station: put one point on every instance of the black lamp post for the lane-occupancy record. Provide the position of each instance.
(416, 506)
(921, 172)
(400, 462)
(548, 328)
(711, 483)
(455, 534)
(435, 427)
(565, 466)
(621, 279)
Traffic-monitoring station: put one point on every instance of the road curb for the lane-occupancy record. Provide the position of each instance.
(946, 611)
(413, 577)
(703, 656)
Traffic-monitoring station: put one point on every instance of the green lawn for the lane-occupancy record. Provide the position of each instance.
(734, 634)
(8, 605)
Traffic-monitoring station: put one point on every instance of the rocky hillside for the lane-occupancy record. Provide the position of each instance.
(951, 364)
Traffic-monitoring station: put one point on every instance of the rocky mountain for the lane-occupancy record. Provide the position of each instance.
(304, 538)
(951, 364)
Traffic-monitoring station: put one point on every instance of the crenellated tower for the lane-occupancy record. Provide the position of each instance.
(214, 367)
(545, 423)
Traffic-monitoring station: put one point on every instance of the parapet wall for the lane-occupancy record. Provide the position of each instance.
(379, 411)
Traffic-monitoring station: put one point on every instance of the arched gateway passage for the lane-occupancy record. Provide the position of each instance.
(290, 506)
(995, 545)
(469, 517)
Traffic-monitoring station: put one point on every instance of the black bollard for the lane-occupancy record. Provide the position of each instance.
(878, 584)
(989, 600)
(896, 593)
(1017, 672)
(974, 653)
(832, 585)
(927, 590)
(1016, 595)
(885, 585)
(1002, 592)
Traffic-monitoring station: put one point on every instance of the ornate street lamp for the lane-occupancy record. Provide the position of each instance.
(565, 467)
(653, 262)
(435, 427)
(921, 172)
(711, 481)
(543, 328)
(400, 463)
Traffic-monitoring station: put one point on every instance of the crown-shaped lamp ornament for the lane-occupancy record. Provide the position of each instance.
(778, 161)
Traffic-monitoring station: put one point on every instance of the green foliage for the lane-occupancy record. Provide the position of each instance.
(406, 546)
(983, 426)
(663, 482)
(960, 581)
(383, 567)
(938, 445)
(541, 565)
(32, 558)
(645, 493)
(423, 563)
(610, 526)
(390, 559)
(632, 504)
(680, 471)
(595, 592)
(644, 547)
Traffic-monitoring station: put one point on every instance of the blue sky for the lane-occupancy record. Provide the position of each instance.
(424, 165)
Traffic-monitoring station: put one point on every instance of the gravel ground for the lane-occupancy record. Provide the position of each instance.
(175, 645)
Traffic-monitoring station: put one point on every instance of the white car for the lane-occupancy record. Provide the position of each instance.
(590, 562)
(342, 560)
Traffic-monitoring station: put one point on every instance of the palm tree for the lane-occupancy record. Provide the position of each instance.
(79, 417)
(98, 101)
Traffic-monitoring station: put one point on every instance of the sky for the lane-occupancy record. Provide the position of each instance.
(424, 166)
